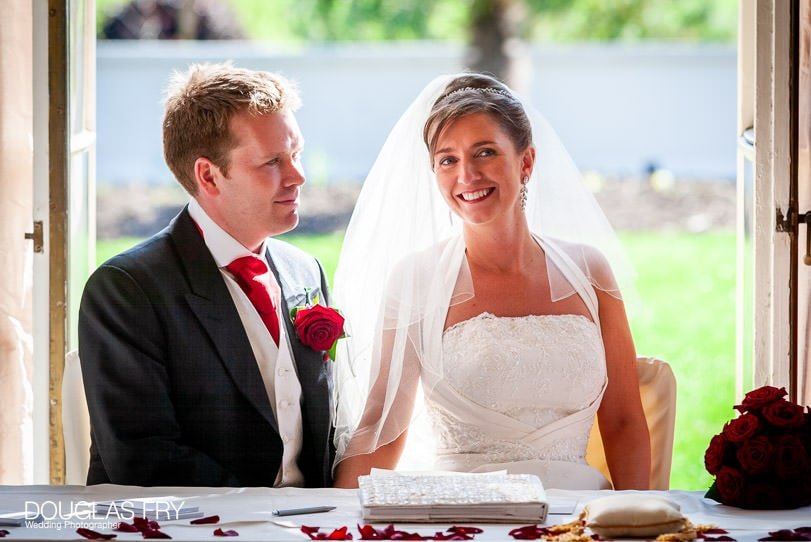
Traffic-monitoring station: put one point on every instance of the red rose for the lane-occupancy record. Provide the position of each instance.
(799, 493)
(714, 456)
(730, 484)
(755, 454)
(783, 414)
(318, 326)
(760, 397)
(741, 428)
(762, 459)
(763, 497)
(791, 457)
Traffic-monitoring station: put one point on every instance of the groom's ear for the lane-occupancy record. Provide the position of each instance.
(207, 176)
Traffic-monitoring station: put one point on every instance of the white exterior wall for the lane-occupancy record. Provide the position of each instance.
(616, 107)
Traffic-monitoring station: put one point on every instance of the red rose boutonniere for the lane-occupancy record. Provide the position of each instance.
(317, 326)
(762, 458)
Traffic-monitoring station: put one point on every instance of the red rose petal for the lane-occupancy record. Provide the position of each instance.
(367, 532)
(528, 532)
(392, 533)
(93, 535)
(155, 533)
(457, 533)
(206, 520)
(337, 534)
(785, 535)
(124, 527)
(405, 535)
(451, 536)
(458, 529)
(220, 532)
(340, 534)
(143, 524)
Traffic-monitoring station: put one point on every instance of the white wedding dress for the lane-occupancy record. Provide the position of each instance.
(500, 393)
(521, 393)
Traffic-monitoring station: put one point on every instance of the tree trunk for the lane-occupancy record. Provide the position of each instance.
(187, 20)
(496, 46)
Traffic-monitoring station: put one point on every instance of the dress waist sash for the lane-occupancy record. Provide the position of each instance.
(502, 427)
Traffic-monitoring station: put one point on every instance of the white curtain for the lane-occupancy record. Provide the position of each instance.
(16, 197)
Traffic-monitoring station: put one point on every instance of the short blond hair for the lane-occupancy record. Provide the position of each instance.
(199, 105)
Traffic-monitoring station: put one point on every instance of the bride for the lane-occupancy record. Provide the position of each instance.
(467, 285)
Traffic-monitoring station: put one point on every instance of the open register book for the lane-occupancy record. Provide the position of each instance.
(443, 497)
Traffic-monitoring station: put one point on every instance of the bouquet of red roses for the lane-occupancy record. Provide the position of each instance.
(762, 458)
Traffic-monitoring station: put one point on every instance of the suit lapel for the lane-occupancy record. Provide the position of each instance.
(290, 297)
(211, 302)
(286, 289)
(307, 361)
(293, 277)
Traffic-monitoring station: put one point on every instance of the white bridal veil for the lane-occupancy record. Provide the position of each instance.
(402, 265)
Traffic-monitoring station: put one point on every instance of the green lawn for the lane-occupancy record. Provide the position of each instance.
(686, 316)
(687, 286)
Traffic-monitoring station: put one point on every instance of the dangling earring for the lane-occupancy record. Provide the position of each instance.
(523, 193)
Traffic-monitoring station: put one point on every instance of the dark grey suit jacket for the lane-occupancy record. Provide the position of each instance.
(173, 387)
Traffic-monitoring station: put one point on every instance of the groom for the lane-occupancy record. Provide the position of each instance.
(193, 372)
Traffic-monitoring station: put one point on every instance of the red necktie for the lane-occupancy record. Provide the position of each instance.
(245, 271)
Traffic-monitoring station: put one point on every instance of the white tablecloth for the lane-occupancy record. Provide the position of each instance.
(249, 512)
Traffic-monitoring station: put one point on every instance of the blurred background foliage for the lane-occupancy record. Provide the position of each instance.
(305, 21)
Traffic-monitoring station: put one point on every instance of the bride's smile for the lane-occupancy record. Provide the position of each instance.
(476, 195)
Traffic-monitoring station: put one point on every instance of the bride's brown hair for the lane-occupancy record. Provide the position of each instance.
(477, 93)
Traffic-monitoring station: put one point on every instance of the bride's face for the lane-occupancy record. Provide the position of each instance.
(479, 170)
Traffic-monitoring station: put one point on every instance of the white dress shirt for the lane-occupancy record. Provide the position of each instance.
(275, 362)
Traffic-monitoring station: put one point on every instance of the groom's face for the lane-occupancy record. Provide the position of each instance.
(260, 195)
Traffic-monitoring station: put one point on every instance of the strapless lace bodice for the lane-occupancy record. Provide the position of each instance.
(533, 369)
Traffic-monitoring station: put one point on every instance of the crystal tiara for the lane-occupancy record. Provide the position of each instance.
(489, 90)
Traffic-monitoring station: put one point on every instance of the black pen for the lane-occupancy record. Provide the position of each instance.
(299, 511)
